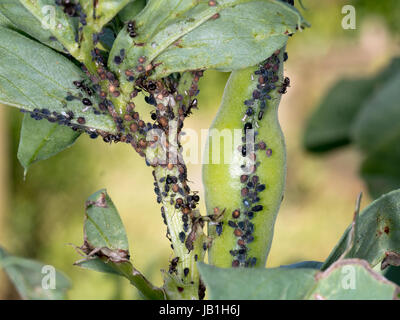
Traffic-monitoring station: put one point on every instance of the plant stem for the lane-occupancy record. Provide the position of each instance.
(184, 222)
(146, 289)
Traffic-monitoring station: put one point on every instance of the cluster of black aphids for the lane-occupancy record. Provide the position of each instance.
(131, 28)
(73, 9)
(243, 230)
(267, 78)
(63, 118)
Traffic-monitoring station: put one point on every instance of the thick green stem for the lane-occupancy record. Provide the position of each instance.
(146, 289)
(184, 222)
(250, 186)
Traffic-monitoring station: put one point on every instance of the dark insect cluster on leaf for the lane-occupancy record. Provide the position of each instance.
(131, 29)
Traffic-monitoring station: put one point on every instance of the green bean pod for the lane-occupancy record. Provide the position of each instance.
(243, 195)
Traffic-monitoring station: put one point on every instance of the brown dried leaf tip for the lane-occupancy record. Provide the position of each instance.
(89, 252)
(101, 202)
(391, 259)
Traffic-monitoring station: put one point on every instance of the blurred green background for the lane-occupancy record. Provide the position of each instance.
(40, 216)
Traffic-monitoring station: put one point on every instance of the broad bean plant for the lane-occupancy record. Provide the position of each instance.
(79, 67)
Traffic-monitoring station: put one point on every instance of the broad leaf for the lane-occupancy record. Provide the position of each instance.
(347, 279)
(58, 23)
(98, 265)
(392, 274)
(104, 11)
(331, 123)
(186, 35)
(106, 245)
(107, 38)
(42, 139)
(329, 126)
(352, 279)
(379, 119)
(131, 10)
(21, 19)
(103, 225)
(377, 231)
(243, 35)
(256, 283)
(34, 77)
(5, 22)
(304, 265)
(31, 278)
(381, 169)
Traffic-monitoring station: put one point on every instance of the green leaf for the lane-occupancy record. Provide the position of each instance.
(331, 123)
(107, 38)
(304, 265)
(182, 35)
(21, 19)
(98, 265)
(103, 12)
(377, 231)
(392, 273)
(256, 283)
(28, 276)
(34, 77)
(5, 22)
(106, 245)
(345, 280)
(58, 23)
(131, 10)
(42, 139)
(242, 36)
(381, 170)
(103, 225)
(352, 279)
(379, 119)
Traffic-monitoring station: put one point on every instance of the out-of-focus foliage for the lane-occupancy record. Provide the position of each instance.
(374, 233)
(46, 210)
(298, 283)
(34, 280)
(387, 9)
(366, 113)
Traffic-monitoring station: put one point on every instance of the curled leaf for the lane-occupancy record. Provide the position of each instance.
(39, 80)
(176, 36)
(40, 140)
(20, 19)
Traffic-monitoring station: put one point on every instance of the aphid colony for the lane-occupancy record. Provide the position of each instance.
(73, 9)
(172, 189)
(68, 117)
(170, 102)
(252, 188)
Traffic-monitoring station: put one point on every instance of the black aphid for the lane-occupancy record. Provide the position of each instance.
(87, 102)
(185, 272)
(117, 60)
(218, 228)
(232, 224)
(249, 111)
(182, 236)
(260, 188)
